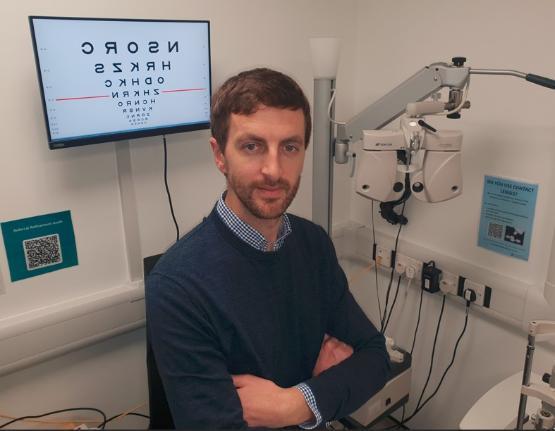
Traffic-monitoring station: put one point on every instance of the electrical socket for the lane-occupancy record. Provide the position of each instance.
(410, 272)
(409, 262)
(399, 267)
(478, 288)
(448, 283)
(383, 256)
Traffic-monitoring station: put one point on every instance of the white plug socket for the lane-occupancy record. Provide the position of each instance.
(413, 267)
(399, 267)
(383, 257)
(449, 283)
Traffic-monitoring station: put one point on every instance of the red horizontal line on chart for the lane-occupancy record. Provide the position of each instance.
(183, 89)
(80, 98)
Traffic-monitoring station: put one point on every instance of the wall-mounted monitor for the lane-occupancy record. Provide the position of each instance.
(111, 79)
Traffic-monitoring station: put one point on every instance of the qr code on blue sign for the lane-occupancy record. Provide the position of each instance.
(495, 230)
(42, 251)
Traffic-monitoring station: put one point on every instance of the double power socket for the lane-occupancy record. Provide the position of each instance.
(450, 283)
(404, 265)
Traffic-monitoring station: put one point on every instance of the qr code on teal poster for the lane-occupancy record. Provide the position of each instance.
(39, 245)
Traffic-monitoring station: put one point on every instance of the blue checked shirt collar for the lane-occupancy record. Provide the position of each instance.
(246, 232)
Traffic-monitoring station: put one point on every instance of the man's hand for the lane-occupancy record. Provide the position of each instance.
(331, 353)
(266, 404)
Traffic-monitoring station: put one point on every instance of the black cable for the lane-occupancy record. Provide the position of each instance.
(127, 414)
(58, 411)
(375, 264)
(450, 363)
(391, 274)
(418, 407)
(168, 188)
(400, 227)
(388, 291)
(433, 354)
(398, 423)
(446, 369)
(417, 321)
(393, 303)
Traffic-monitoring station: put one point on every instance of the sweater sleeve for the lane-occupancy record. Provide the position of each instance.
(342, 389)
(198, 386)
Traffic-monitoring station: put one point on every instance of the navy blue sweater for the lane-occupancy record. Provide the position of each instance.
(216, 307)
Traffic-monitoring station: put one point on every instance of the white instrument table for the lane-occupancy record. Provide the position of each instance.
(498, 407)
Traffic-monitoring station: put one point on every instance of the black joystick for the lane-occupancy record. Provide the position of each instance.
(459, 61)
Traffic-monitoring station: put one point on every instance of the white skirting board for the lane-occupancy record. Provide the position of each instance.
(38, 335)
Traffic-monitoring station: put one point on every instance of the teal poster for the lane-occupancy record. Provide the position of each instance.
(38, 245)
(507, 216)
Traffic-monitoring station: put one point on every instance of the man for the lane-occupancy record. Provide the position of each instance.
(238, 309)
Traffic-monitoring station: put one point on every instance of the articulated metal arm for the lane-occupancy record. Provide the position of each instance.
(418, 87)
(530, 77)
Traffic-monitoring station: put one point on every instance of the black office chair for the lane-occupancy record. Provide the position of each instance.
(160, 414)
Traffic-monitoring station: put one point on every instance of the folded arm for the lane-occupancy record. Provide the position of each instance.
(266, 404)
(343, 388)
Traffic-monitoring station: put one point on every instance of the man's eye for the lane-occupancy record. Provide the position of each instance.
(250, 146)
(291, 148)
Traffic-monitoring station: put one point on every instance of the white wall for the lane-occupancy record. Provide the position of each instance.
(509, 131)
(110, 376)
(490, 351)
(35, 180)
(245, 34)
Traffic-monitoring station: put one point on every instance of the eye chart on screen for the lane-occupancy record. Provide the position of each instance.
(102, 78)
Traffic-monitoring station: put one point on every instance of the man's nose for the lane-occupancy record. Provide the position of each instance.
(271, 168)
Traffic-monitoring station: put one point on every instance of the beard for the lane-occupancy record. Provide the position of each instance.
(264, 208)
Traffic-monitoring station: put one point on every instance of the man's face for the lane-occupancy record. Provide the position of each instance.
(262, 161)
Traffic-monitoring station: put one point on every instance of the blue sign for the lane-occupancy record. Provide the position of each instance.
(507, 217)
(41, 244)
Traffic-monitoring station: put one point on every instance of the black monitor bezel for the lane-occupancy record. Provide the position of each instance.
(111, 137)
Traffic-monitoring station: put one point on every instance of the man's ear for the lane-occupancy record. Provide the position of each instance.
(219, 157)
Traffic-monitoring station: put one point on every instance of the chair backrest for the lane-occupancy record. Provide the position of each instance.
(160, 414)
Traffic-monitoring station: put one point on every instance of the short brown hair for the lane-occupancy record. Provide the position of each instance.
(244, 93)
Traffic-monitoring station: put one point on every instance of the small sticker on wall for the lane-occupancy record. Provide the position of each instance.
(38, 245)
(507, 217)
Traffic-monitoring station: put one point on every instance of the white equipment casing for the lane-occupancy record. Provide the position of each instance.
(383, 140)
(496, 408)
(441, 177)
(377, 164)
(418, 109)
(441, 173)
(394, 394)
(376, 175)
(438, 179)
(443, 140)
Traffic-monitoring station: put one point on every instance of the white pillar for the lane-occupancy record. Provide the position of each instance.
(325, 55)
